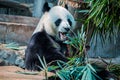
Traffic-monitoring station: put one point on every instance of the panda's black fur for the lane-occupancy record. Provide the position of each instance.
(41, 44)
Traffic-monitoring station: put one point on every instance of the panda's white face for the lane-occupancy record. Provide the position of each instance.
(62, 20)
(57, 22)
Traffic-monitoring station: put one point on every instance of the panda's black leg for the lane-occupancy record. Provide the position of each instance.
(29, 62)
(28, 65)
(33, 66)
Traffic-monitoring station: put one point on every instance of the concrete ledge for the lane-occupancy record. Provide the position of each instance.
(16, 28)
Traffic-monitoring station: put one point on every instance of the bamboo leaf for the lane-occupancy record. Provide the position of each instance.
(82, 11)
(89, 74)
(97, 76)
(84, 75)
(51, 68)
(43, 65)
(84, 69)
(44, 61)
(13, 46)
(91, 68)
(61, 77)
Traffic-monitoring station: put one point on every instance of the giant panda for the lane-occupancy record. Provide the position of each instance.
(48, 35)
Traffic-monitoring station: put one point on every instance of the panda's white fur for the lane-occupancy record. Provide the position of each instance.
(48, 21)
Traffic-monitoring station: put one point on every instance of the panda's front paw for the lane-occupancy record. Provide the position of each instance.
(30, 66)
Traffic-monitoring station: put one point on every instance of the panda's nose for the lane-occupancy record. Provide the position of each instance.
(67, 29)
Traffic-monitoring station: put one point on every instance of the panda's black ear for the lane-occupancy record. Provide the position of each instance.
(46, 7)
(66, 6)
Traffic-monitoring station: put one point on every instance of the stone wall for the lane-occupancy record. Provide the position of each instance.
(16, 28)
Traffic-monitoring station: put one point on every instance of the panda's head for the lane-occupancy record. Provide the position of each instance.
(57, 21)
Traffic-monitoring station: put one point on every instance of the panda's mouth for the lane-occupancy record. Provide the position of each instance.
(62, 35)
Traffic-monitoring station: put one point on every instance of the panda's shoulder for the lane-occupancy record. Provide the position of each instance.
(37, 35)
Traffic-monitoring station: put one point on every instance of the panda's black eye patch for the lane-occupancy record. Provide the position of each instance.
(57, 22)
(69, 21)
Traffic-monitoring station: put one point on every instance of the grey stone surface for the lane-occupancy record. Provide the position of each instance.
(11, 57)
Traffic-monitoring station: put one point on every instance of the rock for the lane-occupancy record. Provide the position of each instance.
(3, 63)
(11, 57)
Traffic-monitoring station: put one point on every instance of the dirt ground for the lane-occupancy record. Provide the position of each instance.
(11, 73)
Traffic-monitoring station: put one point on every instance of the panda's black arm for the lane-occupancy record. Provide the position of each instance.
(55, 54)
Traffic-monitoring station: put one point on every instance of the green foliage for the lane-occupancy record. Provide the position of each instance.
(44, 67)
(105, 14)
(114, 68)
(77, 41)
(13, 45)
(27, 73)
(77, 72)
(103, 18)
(82, 11)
